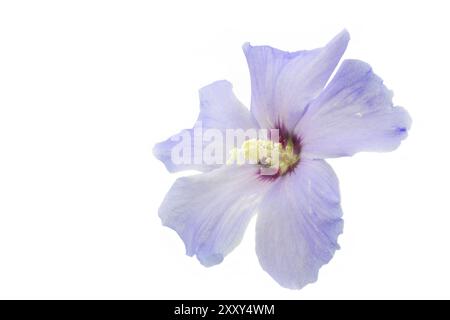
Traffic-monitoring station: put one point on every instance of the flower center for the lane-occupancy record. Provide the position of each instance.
(275, 157)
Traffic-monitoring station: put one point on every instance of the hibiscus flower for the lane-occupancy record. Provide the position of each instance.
(299, 217)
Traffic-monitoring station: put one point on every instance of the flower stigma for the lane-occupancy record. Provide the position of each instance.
(274, 157)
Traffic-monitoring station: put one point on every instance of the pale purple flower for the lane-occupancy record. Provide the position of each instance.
(299, 216)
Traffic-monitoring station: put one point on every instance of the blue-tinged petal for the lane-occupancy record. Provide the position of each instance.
(219, 109)
(354, 113)
(283, 83)
(298, 224)
(211, 211)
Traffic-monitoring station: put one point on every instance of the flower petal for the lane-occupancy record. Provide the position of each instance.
(354, 113)
(211, 211)
(298, 224)
(283, 83)
(219, 109)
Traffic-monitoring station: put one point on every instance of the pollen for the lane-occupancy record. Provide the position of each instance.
(267, 154)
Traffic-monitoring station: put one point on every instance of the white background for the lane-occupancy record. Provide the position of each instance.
(88, 87)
